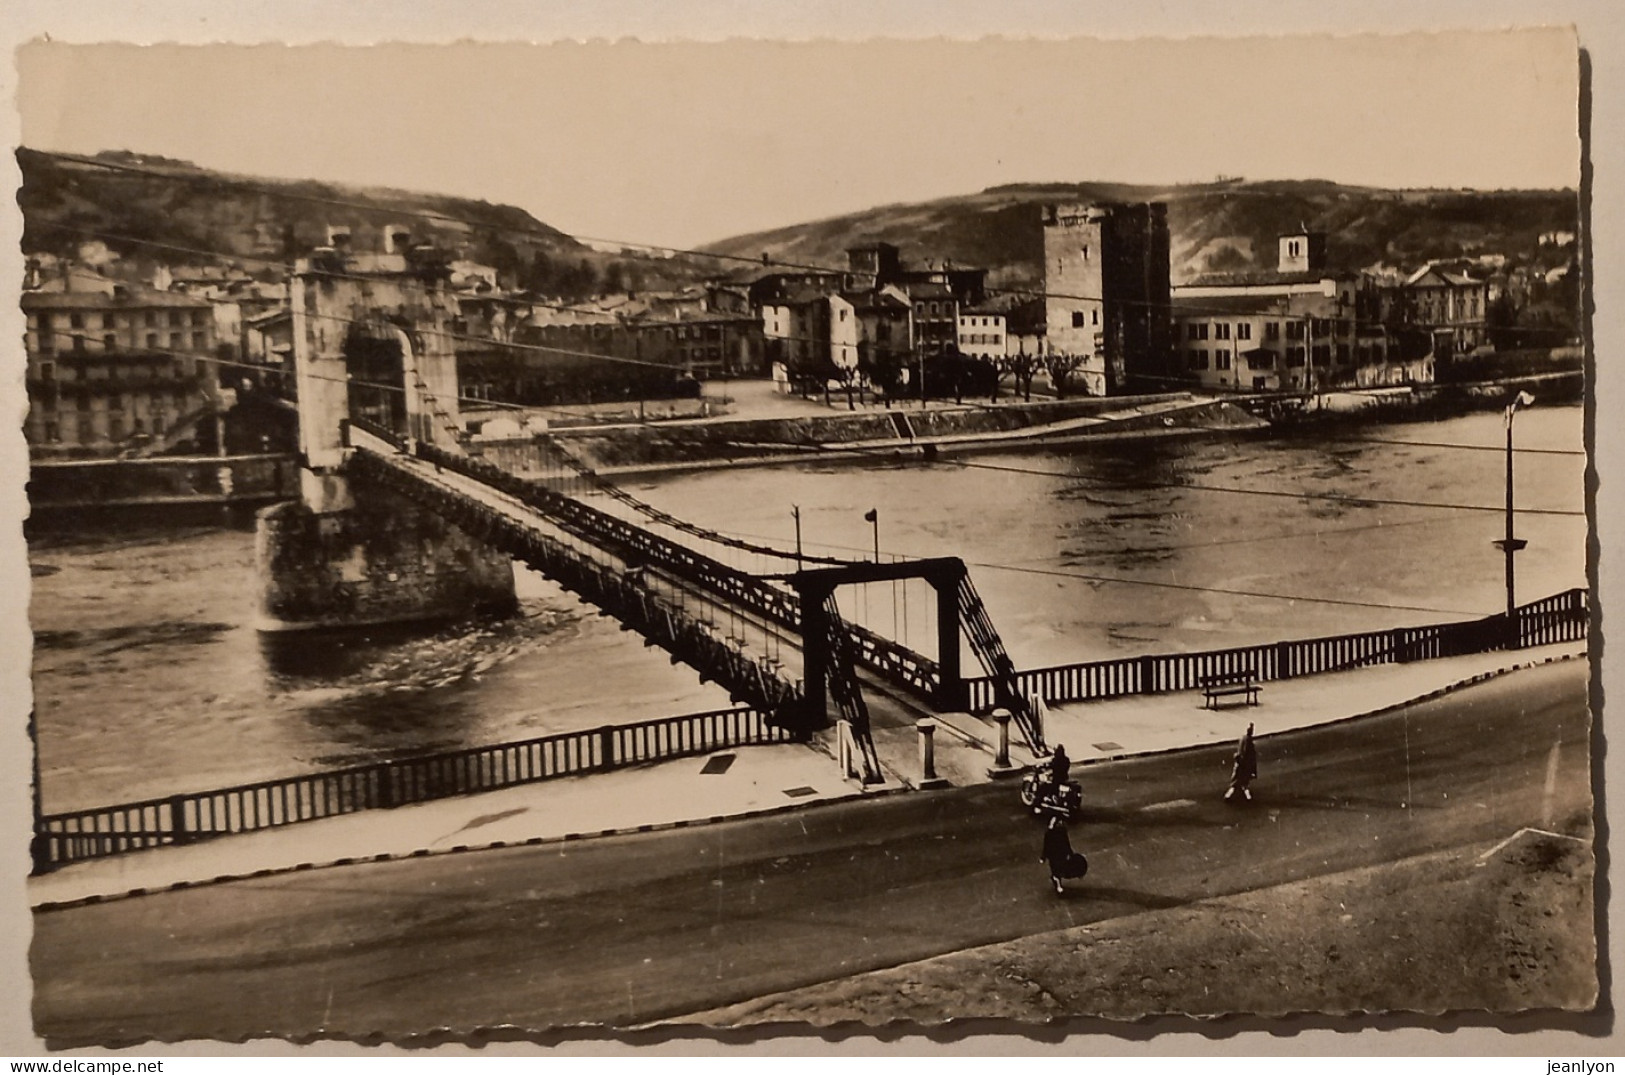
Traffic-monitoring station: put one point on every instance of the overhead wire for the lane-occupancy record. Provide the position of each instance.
(655, 251)
(1351, 501)
(1499, 448)
(514, 345)
(576, 353)
(446, 217)
(1104, 579)
(1229, 592)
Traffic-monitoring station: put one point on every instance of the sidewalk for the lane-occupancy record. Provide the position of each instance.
(758, 779)
(1149, 723)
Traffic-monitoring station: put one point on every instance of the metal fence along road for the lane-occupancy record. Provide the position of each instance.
(182, 819)
(1563, 617)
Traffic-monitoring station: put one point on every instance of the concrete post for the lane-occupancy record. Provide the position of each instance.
(1001, 766)
(843, 749)
(928, 758)
(1040, 714)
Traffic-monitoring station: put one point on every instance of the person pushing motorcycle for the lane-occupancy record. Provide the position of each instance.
(1060, 766)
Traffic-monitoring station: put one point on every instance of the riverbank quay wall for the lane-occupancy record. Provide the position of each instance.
(669, 445)
(79, 484)
(1563, 617)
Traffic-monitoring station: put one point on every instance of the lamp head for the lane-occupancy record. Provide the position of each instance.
(1522, 399)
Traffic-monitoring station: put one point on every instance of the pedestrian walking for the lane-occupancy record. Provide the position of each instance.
(1063, 862)
(1244, 770)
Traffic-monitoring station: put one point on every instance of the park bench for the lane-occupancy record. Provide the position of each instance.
(1229, 685)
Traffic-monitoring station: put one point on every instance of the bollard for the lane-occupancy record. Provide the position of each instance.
(928, 758)
(1001, 762)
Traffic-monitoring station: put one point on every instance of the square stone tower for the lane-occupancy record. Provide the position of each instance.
(1107, 294)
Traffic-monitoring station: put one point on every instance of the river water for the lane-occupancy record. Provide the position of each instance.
(149, 678)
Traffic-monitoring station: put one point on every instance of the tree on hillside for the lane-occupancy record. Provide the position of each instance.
(539, 275)
(578, 281)
(505, 260)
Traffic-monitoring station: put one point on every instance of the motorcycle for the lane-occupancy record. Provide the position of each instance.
(1043, 796)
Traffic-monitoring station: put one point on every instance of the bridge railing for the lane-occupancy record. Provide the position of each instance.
(894, 662)
(181, 819)
(664, 624)
(1562, 617)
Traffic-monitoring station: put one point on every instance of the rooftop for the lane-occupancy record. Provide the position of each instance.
(1267, 278)
(874, 300)
(96, 300)
(1443, 278)
(1222, 305)
(918, 290)
(1002, 302)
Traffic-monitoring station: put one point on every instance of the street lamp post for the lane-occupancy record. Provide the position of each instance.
(1509, 544)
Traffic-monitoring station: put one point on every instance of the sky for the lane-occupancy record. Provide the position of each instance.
(681, 144)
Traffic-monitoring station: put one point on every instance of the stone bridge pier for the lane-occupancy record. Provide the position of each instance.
(370, 340)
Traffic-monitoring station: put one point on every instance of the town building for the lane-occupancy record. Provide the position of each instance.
(49, 274)
(873, 265)
(1001, 325)
(117, 371)
(884, 320)
(1301, 327)
(899, 316)
(583, 355)
(936, 316)
(795, 329)
(1106, 294)
(1437, 311)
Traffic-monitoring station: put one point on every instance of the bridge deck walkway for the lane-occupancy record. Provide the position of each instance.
(889, 708)
(728, 620)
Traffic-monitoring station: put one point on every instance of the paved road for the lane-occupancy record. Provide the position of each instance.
(628, 930)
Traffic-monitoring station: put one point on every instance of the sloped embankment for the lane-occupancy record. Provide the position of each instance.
(710, 443)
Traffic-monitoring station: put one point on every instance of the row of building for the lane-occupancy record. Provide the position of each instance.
(116, 368)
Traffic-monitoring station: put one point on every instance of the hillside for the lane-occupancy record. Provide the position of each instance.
(1221, 226)
(130, 201)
